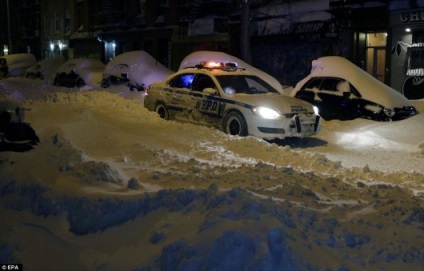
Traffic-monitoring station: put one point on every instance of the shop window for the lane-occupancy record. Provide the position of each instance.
(414, 62)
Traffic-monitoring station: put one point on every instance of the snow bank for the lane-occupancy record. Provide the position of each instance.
(111, 186)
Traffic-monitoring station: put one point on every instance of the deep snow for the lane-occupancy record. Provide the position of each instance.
(112, 186)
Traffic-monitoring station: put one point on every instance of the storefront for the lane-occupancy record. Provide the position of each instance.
(407, 48)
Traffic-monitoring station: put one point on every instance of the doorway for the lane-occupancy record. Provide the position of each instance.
(376, 55)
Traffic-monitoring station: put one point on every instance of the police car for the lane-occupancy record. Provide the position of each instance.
(231, 99)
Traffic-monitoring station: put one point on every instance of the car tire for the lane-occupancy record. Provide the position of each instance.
(105, 83)
(162, 111)
(234, 124)
(79, 82)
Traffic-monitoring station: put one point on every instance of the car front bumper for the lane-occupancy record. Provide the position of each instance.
(297, 126)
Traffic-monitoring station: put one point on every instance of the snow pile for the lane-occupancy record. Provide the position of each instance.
(111, 186)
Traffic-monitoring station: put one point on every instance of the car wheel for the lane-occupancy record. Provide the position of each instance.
(56, 82)
(235, 124)
(105, 83)
(162, 111)
(79, 82)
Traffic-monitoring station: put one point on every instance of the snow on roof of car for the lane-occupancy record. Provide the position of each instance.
(47, 65)
(370, 88)
(19, 57)
(142, 67)
(196, 58)
(81, 63)
(16, 61)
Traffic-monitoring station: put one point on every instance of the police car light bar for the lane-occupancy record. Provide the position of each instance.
(217, 65)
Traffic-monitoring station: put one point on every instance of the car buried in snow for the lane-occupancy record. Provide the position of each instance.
(45, 69)
(233, 100)
(79, 72)
(15, 64)
(135, 69)
(341, 90)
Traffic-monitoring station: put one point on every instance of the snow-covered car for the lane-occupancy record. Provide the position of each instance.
(79, 72)
(233, 100)
(136, 69)
(45, 69)
(341, 90)
(15, 64)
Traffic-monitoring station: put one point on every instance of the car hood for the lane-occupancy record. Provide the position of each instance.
(280, 102)
(369, 87)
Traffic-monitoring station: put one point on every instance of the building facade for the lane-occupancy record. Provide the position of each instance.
(406, 27)
(20, 27)
(285, 36)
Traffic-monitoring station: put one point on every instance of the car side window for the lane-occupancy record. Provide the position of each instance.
(202, 81)
(314, 83)
(330, 84)
(182, 81)
(355, 91)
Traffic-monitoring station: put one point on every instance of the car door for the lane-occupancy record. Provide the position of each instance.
(309, 91)
(177, 94)
(337, 99)
(204, 100)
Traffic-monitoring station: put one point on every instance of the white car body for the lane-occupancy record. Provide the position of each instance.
(358, 93)
(15, 64)
(137, 69)
(79, 72)
(215, 98)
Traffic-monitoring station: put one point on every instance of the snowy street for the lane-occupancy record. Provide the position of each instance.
(113, 185)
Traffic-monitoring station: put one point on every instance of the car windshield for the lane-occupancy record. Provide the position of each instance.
(245, 84)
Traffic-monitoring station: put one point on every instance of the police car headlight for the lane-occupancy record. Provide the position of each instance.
(316, 110)
(266, 113)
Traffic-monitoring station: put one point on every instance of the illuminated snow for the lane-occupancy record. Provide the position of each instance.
(111, 186)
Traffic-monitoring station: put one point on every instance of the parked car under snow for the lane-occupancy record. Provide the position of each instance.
(79, 72)
(15, 64)
(136, 69)
(342, 90)
(44, 69)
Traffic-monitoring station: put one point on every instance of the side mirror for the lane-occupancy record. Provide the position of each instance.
(209, 91)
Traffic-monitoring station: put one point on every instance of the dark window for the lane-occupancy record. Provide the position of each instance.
(414, 61)
(182, 81)
(201, 82)
(330, 84)
(247, 84)
(313, 83)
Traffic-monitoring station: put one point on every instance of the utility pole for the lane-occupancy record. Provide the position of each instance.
(9, 34)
